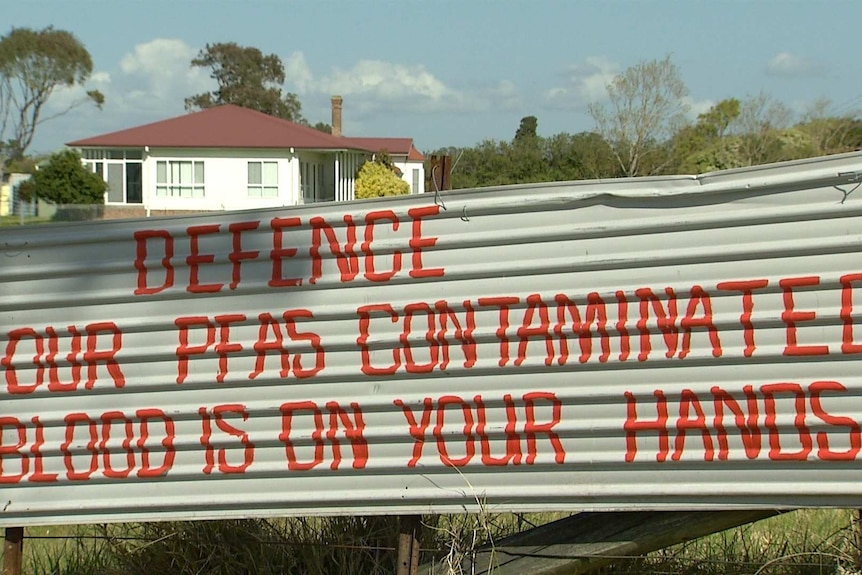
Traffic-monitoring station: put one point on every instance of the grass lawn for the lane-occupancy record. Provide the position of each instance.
(16, 220)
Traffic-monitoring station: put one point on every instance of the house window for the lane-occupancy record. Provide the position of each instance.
(96, 168)
(263, 179)
(415, 189)
(180, 179)
(121, 169)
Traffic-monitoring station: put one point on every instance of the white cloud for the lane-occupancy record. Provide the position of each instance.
(155, 78)
(374, 85)
(152, 80)
(156, 56)
(697, 107)
(159, 72)
(584, 83)
(792, 66)
(385, 80)
(65, 98)
(504, 96)
(298, 74)
(147, 84)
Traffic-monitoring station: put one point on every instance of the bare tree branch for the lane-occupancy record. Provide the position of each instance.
(646, 107)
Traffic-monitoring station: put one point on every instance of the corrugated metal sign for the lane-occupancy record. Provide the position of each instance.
(633, 344)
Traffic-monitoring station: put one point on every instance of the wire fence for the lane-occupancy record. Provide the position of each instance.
(17, 211)
(20, 211)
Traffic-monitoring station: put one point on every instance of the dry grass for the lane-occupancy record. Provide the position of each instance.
(799, 543)
(805, 542)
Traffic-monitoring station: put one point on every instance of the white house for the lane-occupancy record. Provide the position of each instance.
(230, 158)
(405, 158)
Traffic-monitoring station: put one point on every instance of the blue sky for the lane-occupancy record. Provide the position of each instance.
(452, 72)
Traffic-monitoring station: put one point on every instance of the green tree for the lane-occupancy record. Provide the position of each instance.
(646, 106)
(245, 77)
(761, 121)
(705, 146)
(323, 127)
(382, 157)
(830, 133)
(715, 122)
(525, 158)
(376, 180)
(530, 158)
(527, 130)
(488, 163)
(64, 180)
(33, 63)
(758, 130)
(582, 156)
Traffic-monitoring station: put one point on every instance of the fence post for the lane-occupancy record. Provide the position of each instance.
(13, 551)
(409, 529)
(858, 530)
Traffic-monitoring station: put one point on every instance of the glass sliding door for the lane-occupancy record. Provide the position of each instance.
(115, 183)
(134, 183)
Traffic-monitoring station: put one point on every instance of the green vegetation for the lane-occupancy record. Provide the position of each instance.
(64, 180)
(378, 179)
(808, 542)
(249, 78)
(797, 543)
(17, 220)
(646, 106)
(643, 130)
(246, 77)
(33, 63)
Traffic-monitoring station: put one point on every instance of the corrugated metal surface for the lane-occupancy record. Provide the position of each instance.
(652, 344)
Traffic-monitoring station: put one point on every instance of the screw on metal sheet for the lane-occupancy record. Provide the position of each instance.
(464, 217)
(8, 503)
(9, 247)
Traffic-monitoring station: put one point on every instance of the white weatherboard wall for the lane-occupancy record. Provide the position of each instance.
(407, 168)
(669, 343)
(225, 179)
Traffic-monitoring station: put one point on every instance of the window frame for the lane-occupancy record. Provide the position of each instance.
(264, 189)
(173, 185)
(311, 181)
(102, 161)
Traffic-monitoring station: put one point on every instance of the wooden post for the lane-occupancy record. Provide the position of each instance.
(858, 538)
(13, 551)
(409, 529)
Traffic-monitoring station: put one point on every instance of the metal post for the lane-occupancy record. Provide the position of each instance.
(409, 529)
(13, 551)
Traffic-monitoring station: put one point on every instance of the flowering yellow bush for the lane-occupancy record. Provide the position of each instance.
(375, 180)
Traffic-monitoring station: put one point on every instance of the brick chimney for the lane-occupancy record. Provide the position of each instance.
(336, 115)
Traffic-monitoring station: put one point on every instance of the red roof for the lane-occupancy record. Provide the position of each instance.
(396, 146)
(225, 126)
(399, 146)
(415, 155)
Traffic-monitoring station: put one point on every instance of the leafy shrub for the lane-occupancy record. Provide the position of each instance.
(65, 180)
(376, 180)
